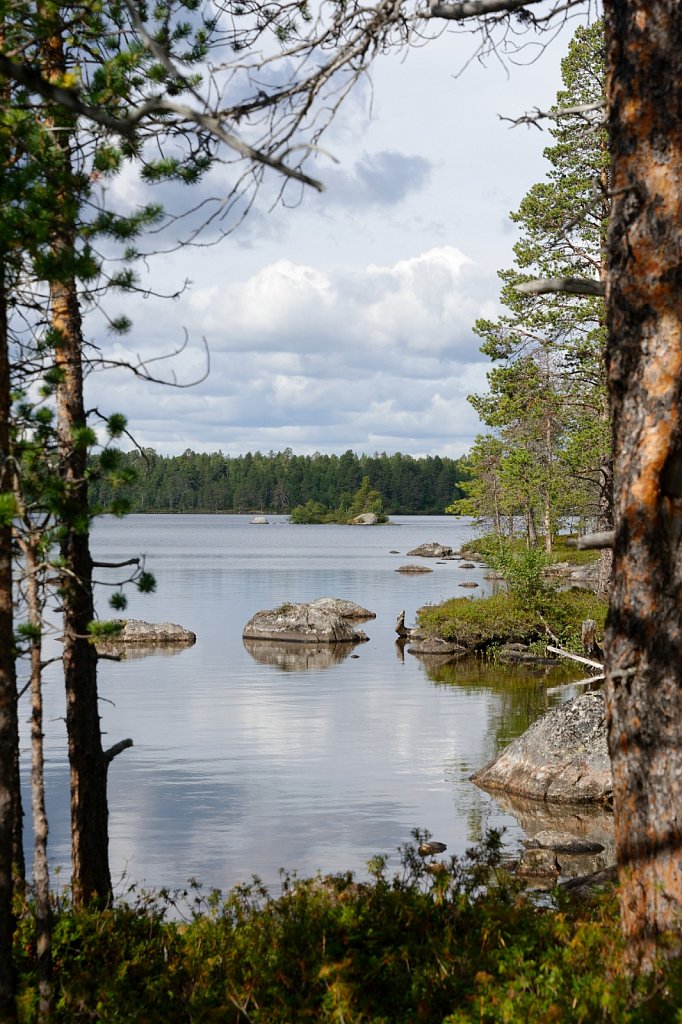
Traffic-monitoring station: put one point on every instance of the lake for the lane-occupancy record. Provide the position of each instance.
(243, 767)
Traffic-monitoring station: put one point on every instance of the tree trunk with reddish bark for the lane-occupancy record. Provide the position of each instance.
(644, 634)
(90, 876)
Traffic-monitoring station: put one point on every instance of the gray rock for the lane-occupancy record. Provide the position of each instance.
(469, 583)
(434, 645)
(563, 757)
(364, 519)
(562, 842)
(346, 609)
(260, 521)
(467, 565)
(312, 623)
(135, 631)
(432, 550)
(413, 568)
(538, 863)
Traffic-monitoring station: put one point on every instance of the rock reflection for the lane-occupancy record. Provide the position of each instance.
(592, 822)
(297, 657)
(134, 652)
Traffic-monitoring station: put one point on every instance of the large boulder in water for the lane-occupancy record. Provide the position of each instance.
(561, 758)
(316, 622)
(135, 631)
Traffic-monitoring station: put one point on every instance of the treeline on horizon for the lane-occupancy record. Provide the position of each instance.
(276, 482)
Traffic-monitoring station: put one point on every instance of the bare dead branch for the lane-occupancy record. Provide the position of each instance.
(115, 565)
(567, 285)
(474, 8)
(117, 748)
(575, 657)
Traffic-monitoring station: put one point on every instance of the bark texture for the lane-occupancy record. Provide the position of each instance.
(90, 876)
(89, 810)
(8, 697)
(644, 634)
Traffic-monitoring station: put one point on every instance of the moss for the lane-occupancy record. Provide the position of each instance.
(485, 622)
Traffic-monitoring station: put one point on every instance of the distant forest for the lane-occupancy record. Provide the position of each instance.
(276, 482)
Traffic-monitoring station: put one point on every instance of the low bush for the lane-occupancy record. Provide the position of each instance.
(505, 618)
(457, 943)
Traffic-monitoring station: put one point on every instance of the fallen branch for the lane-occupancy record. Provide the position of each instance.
(575, 657)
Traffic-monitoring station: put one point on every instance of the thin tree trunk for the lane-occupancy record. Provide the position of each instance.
(644, 629)
(90, 875)
(41, 874)
(604, 523)
(9, 742)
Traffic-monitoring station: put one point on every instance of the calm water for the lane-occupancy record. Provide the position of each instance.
(240, 766)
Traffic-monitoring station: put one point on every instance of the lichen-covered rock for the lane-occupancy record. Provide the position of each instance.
(562, 758)
(432, 550)
(135, 631)
(311, 623)
(364, 519)
(346, 609)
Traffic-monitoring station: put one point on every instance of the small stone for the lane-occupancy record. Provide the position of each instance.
(430, 848)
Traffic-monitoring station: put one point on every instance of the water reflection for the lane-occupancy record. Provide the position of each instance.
(584, 821)
(297, 657)
(134, 652)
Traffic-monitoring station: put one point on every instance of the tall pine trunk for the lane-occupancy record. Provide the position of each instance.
(644, 630)
(90, 875)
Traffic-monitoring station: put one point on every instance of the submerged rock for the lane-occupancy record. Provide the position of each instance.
(316, 622)
(432, 550)
(434, 645)
(562, 758)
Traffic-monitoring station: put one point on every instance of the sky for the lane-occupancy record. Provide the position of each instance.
(344, 320)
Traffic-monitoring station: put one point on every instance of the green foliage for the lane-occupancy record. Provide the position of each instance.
(456, 944)
(105, 628)
(547, 401)
(8, 508)
(310, 513)
(483, 623)
(146, 583)
(279, 482)
(118, 601)
(524, 573)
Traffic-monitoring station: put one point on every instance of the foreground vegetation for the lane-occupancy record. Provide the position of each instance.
(460, 944)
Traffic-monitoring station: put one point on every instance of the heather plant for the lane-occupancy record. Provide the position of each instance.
(454, 940)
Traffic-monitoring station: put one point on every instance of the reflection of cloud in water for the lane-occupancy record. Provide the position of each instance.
(291, 657)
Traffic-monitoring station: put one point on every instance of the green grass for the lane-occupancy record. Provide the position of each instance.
(459, 946)
(489, 621)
